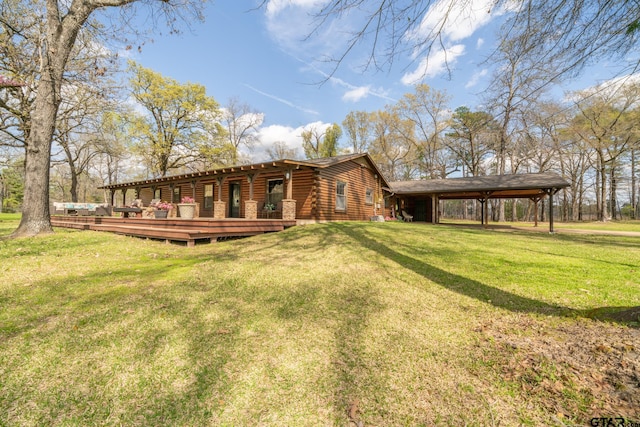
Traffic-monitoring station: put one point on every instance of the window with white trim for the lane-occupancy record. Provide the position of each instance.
(341, 196)
(368, 197)
(275, 188)
(208, 196)
(175, 195)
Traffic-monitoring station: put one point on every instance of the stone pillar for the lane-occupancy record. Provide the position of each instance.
(288, 209)
(219, 209)
(251, 209)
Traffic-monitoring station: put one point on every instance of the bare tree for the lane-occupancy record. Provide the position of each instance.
(242, 124)
(312, 141)
(391, 147)
(606, 123)
(471, 138)
(279, 150)
(518, 76)
(429, 112)
(568, 33)
(62, 25)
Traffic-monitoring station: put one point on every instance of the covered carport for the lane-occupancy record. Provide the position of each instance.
(423, 196)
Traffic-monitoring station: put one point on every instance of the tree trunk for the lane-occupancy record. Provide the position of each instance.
(61, 34)
(634, 198)
(35, 206)
(1, 193)
(613, 188)
(73, 190)
(602, 214)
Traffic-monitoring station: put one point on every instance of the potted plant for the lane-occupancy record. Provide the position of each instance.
(187, 207)
(269, 207)
(162, 209)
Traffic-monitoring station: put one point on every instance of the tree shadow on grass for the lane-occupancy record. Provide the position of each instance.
(629, 316)
(117, 330)
(460, 284)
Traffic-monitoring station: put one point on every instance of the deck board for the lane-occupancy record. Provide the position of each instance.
(189, 231)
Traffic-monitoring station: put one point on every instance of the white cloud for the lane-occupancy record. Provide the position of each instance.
(460, 19)
(276, 6)
(476, 78)
(356, 94)
(449, 21)
(289, 135)
(291, 22)
(608, 89)
(433, 65)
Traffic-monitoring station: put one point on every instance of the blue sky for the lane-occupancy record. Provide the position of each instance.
(260, 57)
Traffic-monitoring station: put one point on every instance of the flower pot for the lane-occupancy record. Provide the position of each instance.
(187, 210)
(160, 214)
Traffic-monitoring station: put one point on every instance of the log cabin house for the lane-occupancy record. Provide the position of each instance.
(271, 196)
(345, 187)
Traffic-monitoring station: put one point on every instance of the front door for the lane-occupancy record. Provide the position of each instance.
(234, 200)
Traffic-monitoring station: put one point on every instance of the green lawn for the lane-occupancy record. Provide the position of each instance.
(628, 225)
(384, 323)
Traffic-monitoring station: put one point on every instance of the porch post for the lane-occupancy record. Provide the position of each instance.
(251, 209)
(550, 192)
(434, 209)
(250, 179)
(124, 197)
(485, 209)
(289, 176)
(288, 204)
(193, 188)
(219, 207)
(250, 206)
(219, 184)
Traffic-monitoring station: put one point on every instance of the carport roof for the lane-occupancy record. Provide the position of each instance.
(491, 186)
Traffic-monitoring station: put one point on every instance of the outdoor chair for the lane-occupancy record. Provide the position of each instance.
(278, 211)
(406, 216)
(103, 210)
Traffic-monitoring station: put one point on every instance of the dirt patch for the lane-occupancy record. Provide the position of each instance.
(575, 369)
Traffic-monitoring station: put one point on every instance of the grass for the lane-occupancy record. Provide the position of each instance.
(389, 324)
(626, 225)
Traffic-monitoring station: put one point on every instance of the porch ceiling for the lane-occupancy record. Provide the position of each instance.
(244, 170)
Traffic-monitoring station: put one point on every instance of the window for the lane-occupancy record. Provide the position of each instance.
(157, 194)
(341, 196)
(275, 188)
(175, 196)
(368, 199)
(208, 196)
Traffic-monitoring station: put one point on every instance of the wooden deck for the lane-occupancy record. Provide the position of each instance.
(189, 231)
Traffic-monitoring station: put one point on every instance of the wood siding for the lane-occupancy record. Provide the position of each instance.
(358, 177)
(313, 189)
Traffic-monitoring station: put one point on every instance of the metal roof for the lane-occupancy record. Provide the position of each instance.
(494, 186)
(282, 164)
